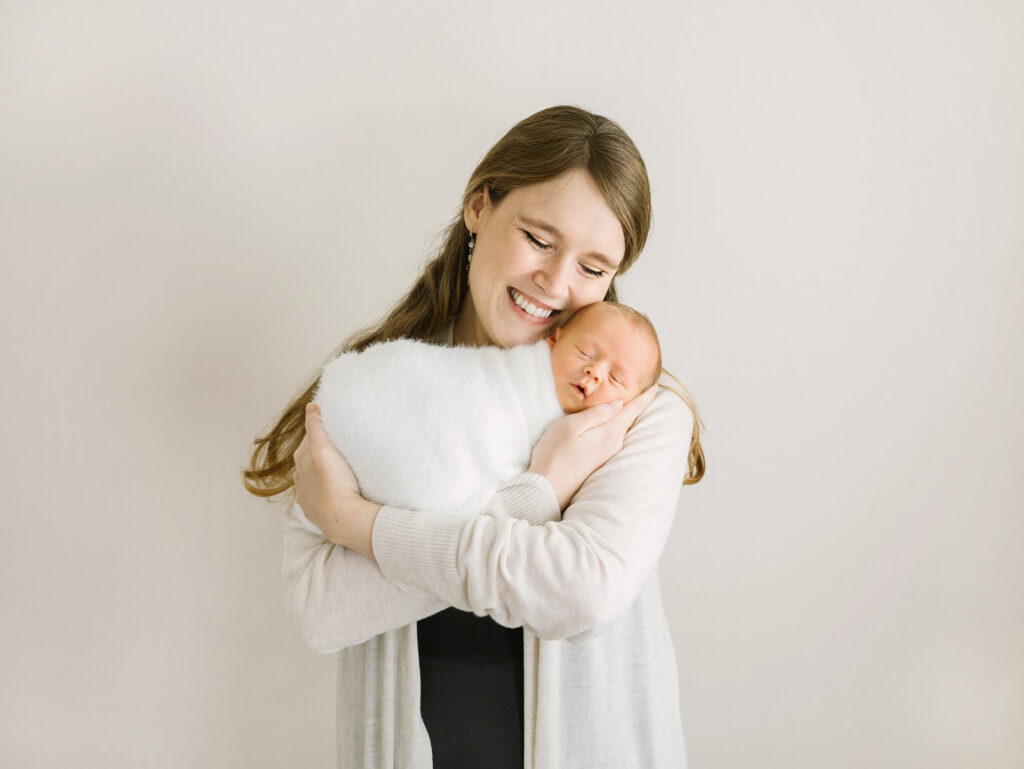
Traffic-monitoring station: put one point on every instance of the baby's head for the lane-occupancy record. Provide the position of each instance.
(604, 351)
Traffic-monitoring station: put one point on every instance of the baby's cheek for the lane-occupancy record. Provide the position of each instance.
(568, 406)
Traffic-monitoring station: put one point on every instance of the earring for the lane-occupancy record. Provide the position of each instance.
(469, 256)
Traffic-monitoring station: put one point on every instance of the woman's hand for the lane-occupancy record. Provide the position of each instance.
(327, 490)
(575, 445)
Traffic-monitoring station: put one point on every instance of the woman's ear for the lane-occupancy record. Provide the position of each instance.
(478, 203)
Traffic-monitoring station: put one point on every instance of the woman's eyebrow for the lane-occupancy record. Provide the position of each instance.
(595, 255)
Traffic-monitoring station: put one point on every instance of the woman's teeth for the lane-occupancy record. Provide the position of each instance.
(529, 307)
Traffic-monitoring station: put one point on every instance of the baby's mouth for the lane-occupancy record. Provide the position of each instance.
(580, 390)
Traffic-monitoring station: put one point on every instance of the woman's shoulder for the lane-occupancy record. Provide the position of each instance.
(668, 420)
(669, 409)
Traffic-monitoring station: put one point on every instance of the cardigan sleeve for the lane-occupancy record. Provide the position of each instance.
(337, 597)
(559, 579)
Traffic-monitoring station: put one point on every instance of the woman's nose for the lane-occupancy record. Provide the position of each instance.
(553, 278)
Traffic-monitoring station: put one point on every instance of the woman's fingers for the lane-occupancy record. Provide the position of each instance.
(315, 427)
(618, 416)
(635, 408)
(299, 455)
(325, 461)
(595, 415)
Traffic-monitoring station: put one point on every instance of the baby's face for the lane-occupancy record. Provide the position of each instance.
(599, 357)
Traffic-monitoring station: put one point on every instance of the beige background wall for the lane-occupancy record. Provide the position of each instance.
(199, 200)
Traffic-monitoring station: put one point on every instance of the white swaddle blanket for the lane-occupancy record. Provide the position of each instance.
(431, 427)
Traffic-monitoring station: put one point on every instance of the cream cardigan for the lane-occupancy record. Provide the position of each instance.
(601, 686)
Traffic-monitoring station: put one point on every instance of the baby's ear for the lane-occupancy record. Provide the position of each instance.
(554, 336)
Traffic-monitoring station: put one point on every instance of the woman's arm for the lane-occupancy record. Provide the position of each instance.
(563, 578)
(337, 597)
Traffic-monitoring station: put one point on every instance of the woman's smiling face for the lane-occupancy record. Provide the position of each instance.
(543, 250)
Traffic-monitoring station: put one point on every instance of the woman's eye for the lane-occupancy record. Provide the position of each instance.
(538, 243)
(592, 272)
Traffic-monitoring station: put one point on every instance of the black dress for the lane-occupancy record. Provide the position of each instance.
(471, 690)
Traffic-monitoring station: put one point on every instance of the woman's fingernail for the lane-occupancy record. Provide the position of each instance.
(617, 404)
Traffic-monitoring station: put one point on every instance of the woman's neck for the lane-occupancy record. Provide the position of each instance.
(466, 331)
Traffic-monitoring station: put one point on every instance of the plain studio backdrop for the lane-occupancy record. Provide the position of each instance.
(199, 201)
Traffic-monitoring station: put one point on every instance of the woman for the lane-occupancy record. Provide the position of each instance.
(572, 664)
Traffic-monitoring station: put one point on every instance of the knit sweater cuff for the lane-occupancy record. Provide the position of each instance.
(418, 550)
(528, 497)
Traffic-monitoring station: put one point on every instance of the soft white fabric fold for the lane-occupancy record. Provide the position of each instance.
(430, 427)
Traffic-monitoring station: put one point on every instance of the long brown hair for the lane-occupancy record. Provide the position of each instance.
(539, 148)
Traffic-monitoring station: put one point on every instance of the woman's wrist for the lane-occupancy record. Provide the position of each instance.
(562, 493)
(351, 524)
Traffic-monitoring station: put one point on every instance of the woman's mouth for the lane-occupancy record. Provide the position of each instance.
(527, 310)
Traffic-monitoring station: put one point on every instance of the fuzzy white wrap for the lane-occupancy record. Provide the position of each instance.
(425, 427)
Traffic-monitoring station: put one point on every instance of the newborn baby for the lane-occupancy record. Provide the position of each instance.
(605, 351)
(430, 427)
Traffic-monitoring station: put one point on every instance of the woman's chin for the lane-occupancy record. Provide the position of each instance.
(529, 338)
(516, 334)
(522, 326)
